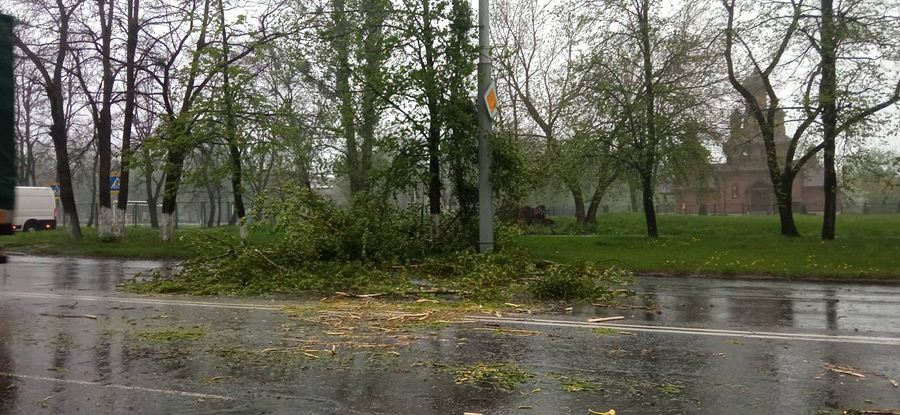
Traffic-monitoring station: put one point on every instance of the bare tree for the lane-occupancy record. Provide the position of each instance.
(50, 59)
(763, 103)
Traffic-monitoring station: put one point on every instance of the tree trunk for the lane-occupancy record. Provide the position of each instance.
(219, 206)
(828, 100)
(93, 212)
(174, 170)
(785, 200)
(434, 175)
(104, 124)
(211, 218)
(593, 207)
(649, 209)
(603, 184)
(133, 11)
(234, 150)
(578, 199)
(344, 93)
(652, 140)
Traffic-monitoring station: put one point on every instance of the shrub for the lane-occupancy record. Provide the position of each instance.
(371, 246)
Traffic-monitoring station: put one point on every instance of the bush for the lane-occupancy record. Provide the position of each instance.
(371, 246)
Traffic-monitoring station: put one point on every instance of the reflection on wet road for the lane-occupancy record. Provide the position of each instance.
(70, 343)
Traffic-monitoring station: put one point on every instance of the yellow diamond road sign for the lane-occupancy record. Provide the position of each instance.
(490, 99)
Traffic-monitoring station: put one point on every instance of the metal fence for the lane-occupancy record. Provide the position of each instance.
(194, 214)
(735, 209)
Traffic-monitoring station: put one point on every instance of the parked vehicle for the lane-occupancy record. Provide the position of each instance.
(35, 209)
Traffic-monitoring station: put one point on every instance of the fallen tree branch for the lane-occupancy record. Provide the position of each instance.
(846, 370)
(88, 316)
(267, 259)
(343, 294)
(625, 306)
(602, 319)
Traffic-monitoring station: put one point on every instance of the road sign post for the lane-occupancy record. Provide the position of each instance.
(486, 90)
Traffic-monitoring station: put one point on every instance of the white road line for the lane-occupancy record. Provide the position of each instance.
(145, 301)
(500, 320)
(114, 386)
(692, 331)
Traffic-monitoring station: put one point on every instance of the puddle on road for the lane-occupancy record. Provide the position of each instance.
(352, 358)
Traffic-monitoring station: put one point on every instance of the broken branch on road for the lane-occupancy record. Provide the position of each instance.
(87, 316)
(602, 319)
(846, 370)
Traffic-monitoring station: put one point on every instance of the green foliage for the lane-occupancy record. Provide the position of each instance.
(501, 376)
(371, 246)
(370, 230)
(584, 281)
(573, 383)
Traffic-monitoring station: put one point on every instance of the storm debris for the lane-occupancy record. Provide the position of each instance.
(602, 319)
(609, 412)
(626, 306)
(894, 382)
(846, 370)
(872, 412)
(87, 316)
(500, 376)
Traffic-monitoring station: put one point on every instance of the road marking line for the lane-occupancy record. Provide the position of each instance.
(148, 301)
(114, 386)
(687, 330)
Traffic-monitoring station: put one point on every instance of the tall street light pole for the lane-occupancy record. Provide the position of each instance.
(485, 206)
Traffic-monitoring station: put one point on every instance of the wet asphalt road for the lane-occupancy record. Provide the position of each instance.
(71, 343)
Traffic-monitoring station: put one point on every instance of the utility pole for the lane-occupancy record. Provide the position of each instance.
(485, 204)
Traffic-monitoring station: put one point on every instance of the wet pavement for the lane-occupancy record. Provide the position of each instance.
(70, 342)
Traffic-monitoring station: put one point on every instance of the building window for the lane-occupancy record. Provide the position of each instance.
(734, 191)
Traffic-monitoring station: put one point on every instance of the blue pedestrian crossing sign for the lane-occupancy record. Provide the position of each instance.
(55, 187)
(114, 183)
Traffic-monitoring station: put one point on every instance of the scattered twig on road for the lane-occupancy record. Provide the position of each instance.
(625, 306)
(872, 412)
(846, 370)
(69, 316)
(600, 320)
(343, 294)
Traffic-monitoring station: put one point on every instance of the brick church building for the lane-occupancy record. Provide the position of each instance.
(742, 185)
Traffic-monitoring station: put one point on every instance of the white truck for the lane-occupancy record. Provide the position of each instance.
(35, 209)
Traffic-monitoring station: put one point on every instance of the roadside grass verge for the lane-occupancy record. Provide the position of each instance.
(139, 243)
(866, 247)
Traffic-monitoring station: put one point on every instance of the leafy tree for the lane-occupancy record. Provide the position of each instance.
(656, 71)
(856, 40)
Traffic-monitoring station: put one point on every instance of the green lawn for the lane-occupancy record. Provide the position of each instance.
(138, 243)
(867, 246)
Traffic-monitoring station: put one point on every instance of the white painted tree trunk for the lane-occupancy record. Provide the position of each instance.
(106, 220)
(435, 226)
(166, 224)
(119, 225)
(245, 231)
